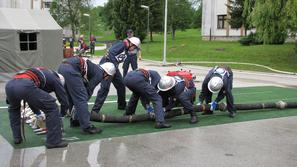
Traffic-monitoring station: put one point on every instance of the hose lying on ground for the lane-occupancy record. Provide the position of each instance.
(180, 111)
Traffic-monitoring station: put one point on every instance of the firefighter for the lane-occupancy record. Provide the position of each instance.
(81, 78)
(92, 44)
(218, 80)
(132, 58)
(116, 55)
(143, 84)
(176, 90)
(33, 86)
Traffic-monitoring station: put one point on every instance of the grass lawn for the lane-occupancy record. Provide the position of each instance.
(188, 46)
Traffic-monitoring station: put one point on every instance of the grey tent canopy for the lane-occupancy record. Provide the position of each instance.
(28, 38)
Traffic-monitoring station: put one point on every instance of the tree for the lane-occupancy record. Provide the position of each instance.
(125, 14)
(180, 15)
(96, 22)
(247, 13)
(240, 12)
(156, 15)
(236, 10)
(291, 14)
(269, 17)
(68, 12)
(108, 14)
(197, 18)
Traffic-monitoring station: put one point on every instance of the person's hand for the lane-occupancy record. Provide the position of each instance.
(150, 109)
(213, 105)
(139, 58)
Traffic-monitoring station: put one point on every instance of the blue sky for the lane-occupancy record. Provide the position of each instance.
(99, 2)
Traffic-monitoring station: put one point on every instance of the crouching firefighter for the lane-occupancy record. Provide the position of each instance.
(33, 86)
(81, 78)
(116, 55)
(218, 80)
(143, 84)
(176, 90)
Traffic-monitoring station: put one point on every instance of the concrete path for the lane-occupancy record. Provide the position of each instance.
(241, 78)
(270, 143)
(262, 143)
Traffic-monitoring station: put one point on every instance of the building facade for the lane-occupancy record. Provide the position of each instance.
(26, 4)
(214, 22)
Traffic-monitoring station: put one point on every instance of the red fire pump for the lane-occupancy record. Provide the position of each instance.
(183, 73)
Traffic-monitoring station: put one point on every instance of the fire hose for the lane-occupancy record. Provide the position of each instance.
(197, 108)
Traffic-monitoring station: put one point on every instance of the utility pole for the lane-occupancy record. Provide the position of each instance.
(165, 34)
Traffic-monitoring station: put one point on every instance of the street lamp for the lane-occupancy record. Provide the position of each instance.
(165, 34)
(148, 17)
(148, 20)
(87, 15)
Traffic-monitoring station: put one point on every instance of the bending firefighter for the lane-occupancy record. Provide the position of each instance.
(33, 86)
(81, 78)
(176, 90)
(218, 80)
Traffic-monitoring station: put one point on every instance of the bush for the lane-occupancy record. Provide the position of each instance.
(255, 38)
(246, 41)
(252, 38)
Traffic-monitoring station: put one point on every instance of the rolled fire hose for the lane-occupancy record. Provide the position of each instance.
(180, 111)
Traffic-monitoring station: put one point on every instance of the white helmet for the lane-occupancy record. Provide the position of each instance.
(135, 41)
(215, 84)
(62, 79)
(166, 83)
(109, 68)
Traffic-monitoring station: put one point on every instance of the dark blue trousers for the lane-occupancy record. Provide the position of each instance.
(131, 59)
(142, 88)
(25, 89)
(77, 92)
(118, 83)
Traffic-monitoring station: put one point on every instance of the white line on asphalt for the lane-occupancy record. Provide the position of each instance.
(89, 103)
(252, 93)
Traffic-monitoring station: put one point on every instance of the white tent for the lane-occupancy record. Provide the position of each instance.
(28, 38)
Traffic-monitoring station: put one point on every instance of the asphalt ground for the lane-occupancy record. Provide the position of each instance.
(270, 142)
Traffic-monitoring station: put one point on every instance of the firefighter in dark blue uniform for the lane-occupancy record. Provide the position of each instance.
(33, 86)
(143, 84)
(116, 54)
(81, 78)
(218, 80)
(176, 90)
(132, 57)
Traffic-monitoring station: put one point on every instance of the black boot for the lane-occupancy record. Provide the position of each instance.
(207, 112)
(194, 118)
(59, 145)
(122, 107)
(232, 114)
(18, 140)
(92, 130)
(160, 125)
(74, 123)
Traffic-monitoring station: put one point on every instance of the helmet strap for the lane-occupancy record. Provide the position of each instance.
(105, 76)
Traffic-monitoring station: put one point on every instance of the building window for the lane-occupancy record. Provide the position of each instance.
(47, 4)
(28, 41)
(222, 21)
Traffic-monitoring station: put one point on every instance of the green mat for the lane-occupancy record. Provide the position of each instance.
(242, 95)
